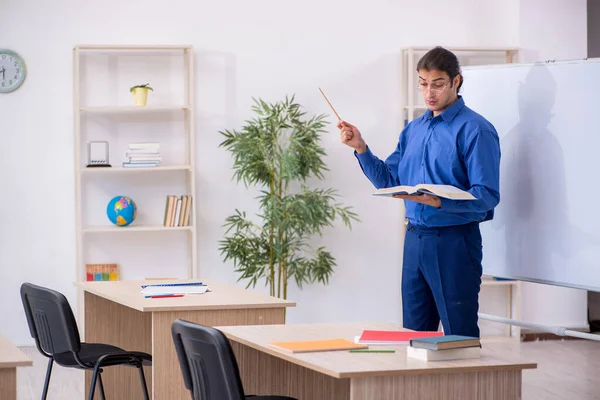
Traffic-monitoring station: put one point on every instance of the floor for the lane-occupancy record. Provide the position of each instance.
(566, 370)
(65, 383)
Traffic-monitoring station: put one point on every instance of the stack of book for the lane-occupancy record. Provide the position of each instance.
(448, 347)
(142, 155)
(178, 210)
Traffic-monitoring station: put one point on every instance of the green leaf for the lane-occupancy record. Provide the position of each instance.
(278, 151)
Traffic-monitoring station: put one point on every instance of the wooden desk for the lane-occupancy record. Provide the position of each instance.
(11, 357)
(117, 313)
(343, 375)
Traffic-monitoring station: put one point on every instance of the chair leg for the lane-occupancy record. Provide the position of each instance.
(47, 381)
(102, 395)
(95, 377)
(143, 380)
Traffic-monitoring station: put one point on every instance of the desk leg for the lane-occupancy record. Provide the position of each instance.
(509, 307)
(263, 374)
(497, 385)
(112, 323)
(167, 378)
(8, 384)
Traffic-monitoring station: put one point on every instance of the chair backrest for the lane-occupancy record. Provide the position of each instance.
(209, 367)
(51, 321)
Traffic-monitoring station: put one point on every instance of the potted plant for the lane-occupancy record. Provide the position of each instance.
(278, 151)
(140, 94)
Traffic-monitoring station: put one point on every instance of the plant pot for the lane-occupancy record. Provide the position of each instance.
(140, 96)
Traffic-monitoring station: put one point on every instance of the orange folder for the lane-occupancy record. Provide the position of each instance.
(318, 345)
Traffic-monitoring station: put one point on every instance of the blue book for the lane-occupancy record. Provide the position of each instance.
(445, 342)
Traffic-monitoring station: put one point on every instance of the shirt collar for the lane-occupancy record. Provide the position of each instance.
(449, 113)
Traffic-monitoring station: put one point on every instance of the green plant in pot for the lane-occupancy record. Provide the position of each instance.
(278, 151)
(140, 94)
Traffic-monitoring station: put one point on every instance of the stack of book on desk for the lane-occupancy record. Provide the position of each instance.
(159, 289)
(449, 347)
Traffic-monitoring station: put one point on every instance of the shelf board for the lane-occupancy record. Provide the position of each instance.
(132, 109)
(466, 49)
(122, 170)
(135, 228)
(130, 47)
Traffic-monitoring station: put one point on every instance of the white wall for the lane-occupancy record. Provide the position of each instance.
(553, 30)
(263, 49)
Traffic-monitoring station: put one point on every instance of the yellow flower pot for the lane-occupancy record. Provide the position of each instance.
(140, 96)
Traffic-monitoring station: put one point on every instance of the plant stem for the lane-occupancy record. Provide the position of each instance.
(283, 255)
(271, 238)
(285, 282)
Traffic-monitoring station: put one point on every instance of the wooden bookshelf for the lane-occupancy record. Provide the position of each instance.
(104, 110)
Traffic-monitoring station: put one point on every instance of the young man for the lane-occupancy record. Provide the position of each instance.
(452, 145)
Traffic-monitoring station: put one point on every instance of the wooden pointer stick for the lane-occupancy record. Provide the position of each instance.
(333, 109)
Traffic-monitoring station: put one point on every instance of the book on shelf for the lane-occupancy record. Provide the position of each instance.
(178, 211)
(142, 155)
(446, 191)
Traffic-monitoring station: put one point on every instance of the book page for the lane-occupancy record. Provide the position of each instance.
(447, 191)
(395, 190)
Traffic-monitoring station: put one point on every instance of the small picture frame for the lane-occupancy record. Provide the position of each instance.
(98, 154)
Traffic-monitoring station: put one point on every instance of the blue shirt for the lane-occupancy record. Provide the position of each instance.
(458, 147)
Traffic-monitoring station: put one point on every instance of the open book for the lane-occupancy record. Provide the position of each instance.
(446, 191)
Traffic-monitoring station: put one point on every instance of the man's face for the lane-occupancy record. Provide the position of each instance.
(435, 87)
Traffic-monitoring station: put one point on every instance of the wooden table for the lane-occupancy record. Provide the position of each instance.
(11, 357)
(342, 375)
(117, 313)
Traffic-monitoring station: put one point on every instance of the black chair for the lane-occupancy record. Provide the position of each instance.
(54, 329)
(209, 367)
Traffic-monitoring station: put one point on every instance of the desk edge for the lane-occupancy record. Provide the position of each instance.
(15, 364)
(436, 371)
(287, 303)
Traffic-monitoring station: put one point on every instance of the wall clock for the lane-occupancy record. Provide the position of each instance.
(12, 71)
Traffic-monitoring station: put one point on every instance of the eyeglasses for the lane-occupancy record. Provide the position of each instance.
(435, 87)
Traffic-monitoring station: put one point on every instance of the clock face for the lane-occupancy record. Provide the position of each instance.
(12, 71)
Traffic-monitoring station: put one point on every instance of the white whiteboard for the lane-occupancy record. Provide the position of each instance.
(547, 225)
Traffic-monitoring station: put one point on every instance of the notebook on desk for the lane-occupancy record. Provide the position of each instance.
(175, 288)
(308, 346)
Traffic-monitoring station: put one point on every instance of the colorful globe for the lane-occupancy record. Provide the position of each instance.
(121, 210)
